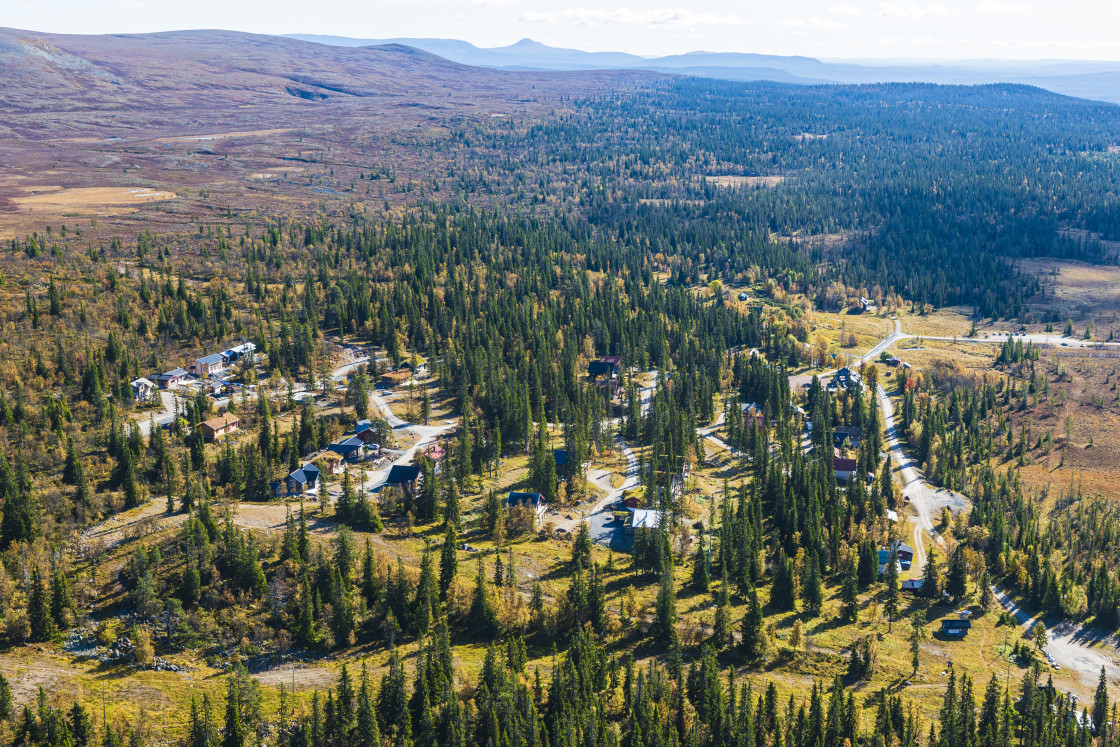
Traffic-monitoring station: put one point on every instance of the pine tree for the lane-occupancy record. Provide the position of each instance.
(232, 734)
(721, 628)
(665, 628)
(482, 615)
(931, 576)
(752, 627)
(814, 591)
(451, 512)
(849, 593)
(448, 561)
(891, 604)
(61, 601)
(1100, 704)
(701, 580)
(39, 610)
(306, 634)
(957, 582)
(7, 705)
(367, 732)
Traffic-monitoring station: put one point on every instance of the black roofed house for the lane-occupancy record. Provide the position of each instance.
(352, 449)
(560, 456)
(954, 627)
(403, 476)
(608, 366)
(534, 501)
(853, 434)
(847, 378)
(174, 377)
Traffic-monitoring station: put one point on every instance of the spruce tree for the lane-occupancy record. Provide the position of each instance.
(891, 604)
(666, 622)
(448, 561)
(233, 735)
(39, 610)
(752, 627)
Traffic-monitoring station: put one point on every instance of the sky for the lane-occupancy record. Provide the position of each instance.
(860, 29)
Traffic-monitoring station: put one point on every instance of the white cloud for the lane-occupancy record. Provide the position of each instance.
(814, 22)
(658, 17)
(994, 7)
(845, 10)
(914, 11)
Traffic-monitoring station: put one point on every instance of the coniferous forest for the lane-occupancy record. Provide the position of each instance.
(699, 231)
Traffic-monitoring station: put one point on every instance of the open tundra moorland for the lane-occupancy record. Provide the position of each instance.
(352, 396)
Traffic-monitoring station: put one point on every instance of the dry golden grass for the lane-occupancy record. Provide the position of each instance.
(951, 321)
(741, 181)
(55, 200)
(921, 354)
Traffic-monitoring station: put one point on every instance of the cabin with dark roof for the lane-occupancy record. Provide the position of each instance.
(353, 449)
(847, 378)
(955, 628)
(852, 434)
(298, 482)
(534, 501)
(174, 377)
(403, 476)
(844, 468)
(607, 366)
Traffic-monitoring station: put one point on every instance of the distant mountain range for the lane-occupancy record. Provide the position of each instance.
(1091, 80)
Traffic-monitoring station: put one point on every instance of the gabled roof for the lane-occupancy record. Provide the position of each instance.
(298, 476)
(311, 470)
(533, 499)
(349, 446)
(561, 457)
(952, 623)
(173, 373)
(210, 359)
(222, 421)
(402, 473)
(843, 464)
(141, 382)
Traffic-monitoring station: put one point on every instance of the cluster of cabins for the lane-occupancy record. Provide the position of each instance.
(207, 367)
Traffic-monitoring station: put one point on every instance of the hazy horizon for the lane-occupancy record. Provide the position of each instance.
(949, 30)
